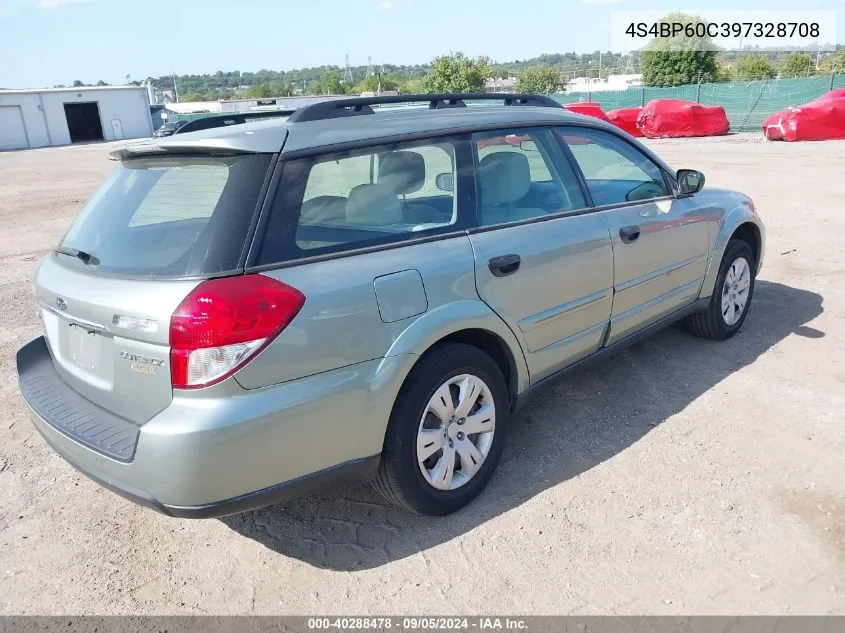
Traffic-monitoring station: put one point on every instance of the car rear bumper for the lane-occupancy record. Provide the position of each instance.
(224, 449)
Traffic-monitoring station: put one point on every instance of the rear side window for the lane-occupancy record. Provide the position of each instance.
(168, 217)
(368, 197)
(616, 172)
(523, 174)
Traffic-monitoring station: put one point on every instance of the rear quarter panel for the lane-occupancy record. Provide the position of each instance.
(341, 322)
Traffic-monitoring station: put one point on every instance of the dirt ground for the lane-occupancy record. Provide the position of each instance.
(682, 477)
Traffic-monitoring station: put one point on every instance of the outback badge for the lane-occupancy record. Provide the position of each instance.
(142, 364)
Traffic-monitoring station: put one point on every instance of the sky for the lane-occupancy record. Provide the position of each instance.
(49, 42)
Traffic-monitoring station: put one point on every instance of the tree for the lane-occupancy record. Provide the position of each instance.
(376, 83)
(192, 97)
(755, 67)
(675, 61)
(797, 65)
(331, 84)
(258, 91)
(839, 61)
(412, 86)
(101, 83)
(77, 83)
(457, 73)
(314, 88)
(540, 79)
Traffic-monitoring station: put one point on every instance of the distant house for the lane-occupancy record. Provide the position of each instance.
(611, 82)
(499, 84)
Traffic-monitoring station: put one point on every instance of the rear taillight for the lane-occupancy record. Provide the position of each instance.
(223, 323)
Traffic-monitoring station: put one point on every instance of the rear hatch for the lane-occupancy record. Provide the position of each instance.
(156, 228)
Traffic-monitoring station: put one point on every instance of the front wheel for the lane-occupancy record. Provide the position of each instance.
(446, 431)
(731, 297)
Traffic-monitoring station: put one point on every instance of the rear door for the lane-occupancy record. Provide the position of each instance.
(659, 241)
(542, 261)
(148, 236)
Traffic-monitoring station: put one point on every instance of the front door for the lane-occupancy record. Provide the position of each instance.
(542, 263)
(659, 241)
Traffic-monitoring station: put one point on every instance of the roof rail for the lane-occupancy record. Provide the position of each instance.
(235, 118)
(337, 108)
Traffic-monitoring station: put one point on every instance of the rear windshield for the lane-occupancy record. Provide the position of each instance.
(168, 217)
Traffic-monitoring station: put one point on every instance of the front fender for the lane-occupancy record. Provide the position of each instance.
(447, 319)
(731, 221)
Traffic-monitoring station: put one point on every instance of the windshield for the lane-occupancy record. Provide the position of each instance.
(168, 217)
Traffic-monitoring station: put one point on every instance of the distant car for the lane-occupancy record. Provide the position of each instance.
(168, 129)
(245, 314)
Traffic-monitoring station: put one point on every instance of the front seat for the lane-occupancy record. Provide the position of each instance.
(504, 178)
(404, 172)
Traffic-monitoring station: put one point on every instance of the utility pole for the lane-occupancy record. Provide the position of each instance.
(175, 88)
(347, 72)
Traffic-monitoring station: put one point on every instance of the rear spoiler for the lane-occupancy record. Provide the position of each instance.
(238, 118)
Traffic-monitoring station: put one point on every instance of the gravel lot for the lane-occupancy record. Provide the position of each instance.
(682, 477)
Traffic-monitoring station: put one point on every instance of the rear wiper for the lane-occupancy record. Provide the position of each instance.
(87, 258)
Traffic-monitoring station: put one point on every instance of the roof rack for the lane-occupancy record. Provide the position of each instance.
(337, 108)
(236, 118)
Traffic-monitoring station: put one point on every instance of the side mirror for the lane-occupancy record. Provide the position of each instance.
(445, 182)
(690, 181)
(528, 146)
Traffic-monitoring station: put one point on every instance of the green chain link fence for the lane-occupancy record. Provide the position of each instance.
(747, 103)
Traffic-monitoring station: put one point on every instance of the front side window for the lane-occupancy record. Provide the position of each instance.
(522, 174)
(362, 198)
(615, 171)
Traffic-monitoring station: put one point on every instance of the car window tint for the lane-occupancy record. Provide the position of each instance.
(615, 171)
(188, 193)
(361, 198)
(522, 174)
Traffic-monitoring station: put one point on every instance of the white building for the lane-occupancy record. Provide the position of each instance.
(58, 116)
(611, 82)
(249, 105)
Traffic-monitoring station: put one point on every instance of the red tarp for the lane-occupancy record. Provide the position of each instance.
(821, 119)
(590, 108)
(670, 118)
(626, 119)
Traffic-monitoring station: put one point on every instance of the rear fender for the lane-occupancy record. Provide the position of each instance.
(453, 317)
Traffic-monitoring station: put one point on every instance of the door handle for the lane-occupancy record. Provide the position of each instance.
(504, 265)
(629, 233)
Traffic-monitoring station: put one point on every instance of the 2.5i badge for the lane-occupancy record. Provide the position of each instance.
(142, 364)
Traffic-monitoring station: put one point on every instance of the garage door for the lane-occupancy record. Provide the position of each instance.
(12, 131)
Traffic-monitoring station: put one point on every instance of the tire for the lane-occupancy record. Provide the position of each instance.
(401, 477)
(713, 324)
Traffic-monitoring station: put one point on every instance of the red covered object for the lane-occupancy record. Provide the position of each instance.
(671, 118)
(626, 119)
(590, 108)
(816, 121)
(821, 119)
(773, 126)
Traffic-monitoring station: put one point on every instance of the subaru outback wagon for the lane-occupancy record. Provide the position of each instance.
(240, 315)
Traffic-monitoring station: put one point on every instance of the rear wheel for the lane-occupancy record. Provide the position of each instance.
(446, 431)
(731, 297)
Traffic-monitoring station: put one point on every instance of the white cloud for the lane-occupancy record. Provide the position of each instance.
(52, 4)
(385, 5)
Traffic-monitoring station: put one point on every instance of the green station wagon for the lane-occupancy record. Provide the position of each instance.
(364, 290)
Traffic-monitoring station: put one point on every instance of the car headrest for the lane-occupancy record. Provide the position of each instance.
(503, 177)
(402, 171)
(373, 204)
